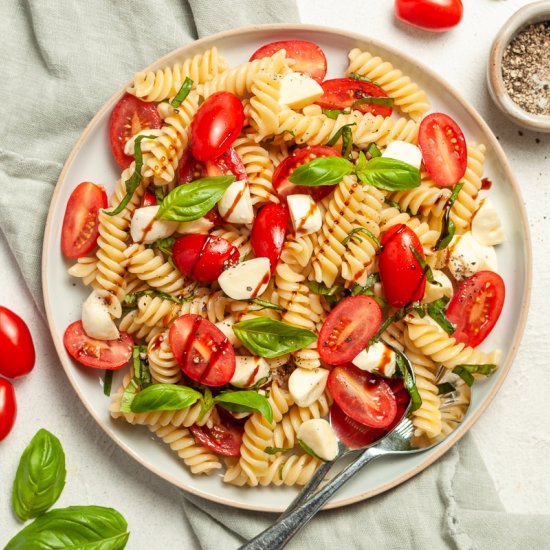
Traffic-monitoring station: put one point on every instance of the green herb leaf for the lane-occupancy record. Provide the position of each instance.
(355, 234)
(40, 476)
(245, 401)
(130, 300)
(159, 193)
(374, 100)
(107, 382)
(405, 368)
(357, 76)
(264, 304)
(321, 171)
(464, 374)
(335, 113)
(444, 388)
(447, 226)
(309, 450)
(372, 279)
(269, 338)
(164, 245)
(436, 312)
(373, 150)
(164, 397)
(323, 289)
(347, 142)
(389, 174)
(192, 201)
(393, 204)
(132, 183)
(337, 135)
(425, 267)
(140, 380)
(466, 371)
(207, 402)
(89, 527)
(182, 93)
(275, 450)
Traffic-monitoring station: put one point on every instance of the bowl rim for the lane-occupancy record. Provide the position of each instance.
(529, 14)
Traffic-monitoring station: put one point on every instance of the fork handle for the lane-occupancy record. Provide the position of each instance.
(278, 535)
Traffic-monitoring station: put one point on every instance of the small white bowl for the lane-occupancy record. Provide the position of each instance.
(532, 13)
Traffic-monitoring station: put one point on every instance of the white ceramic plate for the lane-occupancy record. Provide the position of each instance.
(91, 160)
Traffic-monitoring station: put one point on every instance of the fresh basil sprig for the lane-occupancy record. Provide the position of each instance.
(245, 401)
(207, 402)
(374, 100)
(466, 371)
(269, 338)
(338, 134)
(322, 171)
(393, 204)
(397, 316)
(360, 77)
(90, 527)
(40, 476)
(264, 304)
(163, 245)
(164, 397)
(389, 174)
(330, 294)
(448, 228)
(406, 371)
(309, 450)
(140, 380)
(445, 387)
(436, 312)
(132, 183)
(275, 450)
(347, 142)
(355, 234)
(193, 200)
(335, 113)
(130, 300)
(425, 267)
(182, 93)
(373, 150)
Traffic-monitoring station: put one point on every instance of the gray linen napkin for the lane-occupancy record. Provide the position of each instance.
(61, 61)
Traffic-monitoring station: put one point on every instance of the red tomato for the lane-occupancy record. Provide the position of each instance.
(350, 432)
(17, 349)
(269, 231)
(229, 163)
(8, 407)
(98, 354)
(203, 257)
(443, 149)
(80, 228)
(216, 125)
(308, 57)
(225, 437)
(190, 169)
(130, 116)
(431, 15)
(148, 199)
(402, 276)
(366, 398)
(202, 350)
(348, 329)
(340, 93)
(476, 307)
(284, 187)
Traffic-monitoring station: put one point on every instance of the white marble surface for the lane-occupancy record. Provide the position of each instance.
(513, 434)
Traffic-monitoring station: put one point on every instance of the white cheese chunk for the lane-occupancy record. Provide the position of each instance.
(96, 319)
(146, 145)
(436, 291)
(298, 90)
(247, 279)
(405, 152)
(226, 326)
(486, 225)
(305, 214)
(145, 228)
(235, 206)
(379, 359)
(319, 436)
(307, 385)
(249, 370)
(466, 256)
(202, 225)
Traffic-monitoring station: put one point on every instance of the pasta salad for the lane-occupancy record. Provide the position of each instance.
(279, 247)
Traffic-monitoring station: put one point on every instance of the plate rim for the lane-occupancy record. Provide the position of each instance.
(493, 144)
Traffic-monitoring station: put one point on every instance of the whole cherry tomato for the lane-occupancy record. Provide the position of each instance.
(16, 346)
(268, 232)
(8, 407)
(431, 15)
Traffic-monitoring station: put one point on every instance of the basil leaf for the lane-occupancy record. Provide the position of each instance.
(444, 388)
(164, 397)
(372, 279)
(40, 476)
(425, 267)
(337, 135)
(354, 234)
(159, 193)
(335, 113)
(164, 245)
(435, 311)
(347, 142)
(389, 174)
(309, 450)
(269, 338)
(182, 93)
(107, 382)
(405, 368)
(393, 204)
(140, 380)
(374, 100)
(373, 150)
(245, 401)
(447, 225)
(132, 183)
(321, 171)
(357, 76)
(322, 289)
(90, 527)
(265, 304)
(464, 374)
(130, 300)
(207, 402)
(465, 371)
(193, 200)
(275, 450)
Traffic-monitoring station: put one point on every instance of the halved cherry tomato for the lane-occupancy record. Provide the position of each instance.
(431, 15)
(348, 329)
(8, 407)
(204, 257)
(202, 350)
(476, 307)
(351, 432)
(443, 149)
(16, 346)
(80, 228)
(98, 354)
(148, 199)
(224, 437)
(402, 276)
(366, 398)
(228, 163)
(269, 231)
(130, 115)
(308, 57)
(216, 125)
(341, 93)
(285, 187)
(402, 399)
(190, 169)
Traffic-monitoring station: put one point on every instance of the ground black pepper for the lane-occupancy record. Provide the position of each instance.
(526, 68)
